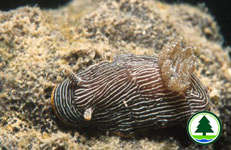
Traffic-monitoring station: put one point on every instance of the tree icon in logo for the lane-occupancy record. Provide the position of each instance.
(204, 126)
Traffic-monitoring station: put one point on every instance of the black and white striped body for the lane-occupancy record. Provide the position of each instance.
(126, 95)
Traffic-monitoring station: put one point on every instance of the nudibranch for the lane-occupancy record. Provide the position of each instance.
(133, 93)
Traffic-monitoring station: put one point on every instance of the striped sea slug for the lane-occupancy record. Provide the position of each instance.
(133, 93)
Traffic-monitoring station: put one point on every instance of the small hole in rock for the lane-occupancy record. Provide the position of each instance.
(47, 92)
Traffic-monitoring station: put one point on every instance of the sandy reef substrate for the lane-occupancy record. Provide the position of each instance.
(35, 46)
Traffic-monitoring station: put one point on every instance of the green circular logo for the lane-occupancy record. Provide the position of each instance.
(204, 127)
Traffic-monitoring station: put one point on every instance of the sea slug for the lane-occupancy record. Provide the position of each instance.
(133, 93)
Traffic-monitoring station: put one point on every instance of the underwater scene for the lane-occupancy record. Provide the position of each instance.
(114, 74)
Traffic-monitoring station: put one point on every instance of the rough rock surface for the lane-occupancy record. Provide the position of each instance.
(35, 46)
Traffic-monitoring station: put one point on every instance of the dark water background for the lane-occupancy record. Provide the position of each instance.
(221, 11)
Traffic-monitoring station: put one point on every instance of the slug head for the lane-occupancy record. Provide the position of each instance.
(62, 100)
